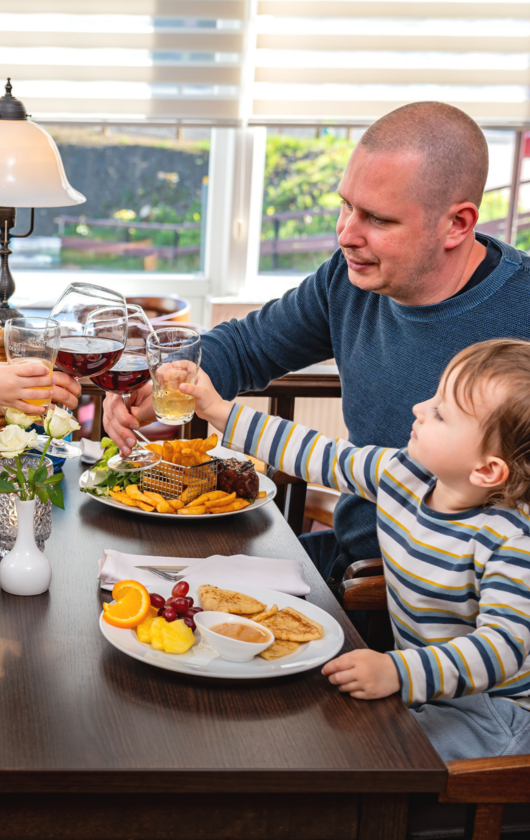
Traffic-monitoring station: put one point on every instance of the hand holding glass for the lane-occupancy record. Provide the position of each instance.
(32, 341)
(174, 357)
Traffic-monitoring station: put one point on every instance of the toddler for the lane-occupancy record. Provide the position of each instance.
(454, 530)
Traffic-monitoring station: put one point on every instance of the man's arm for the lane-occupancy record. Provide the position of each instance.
(285, 335)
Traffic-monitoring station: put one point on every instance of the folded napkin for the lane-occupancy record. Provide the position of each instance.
(91, 451)
(238, 570)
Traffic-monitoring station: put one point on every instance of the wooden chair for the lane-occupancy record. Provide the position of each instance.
(485, 785)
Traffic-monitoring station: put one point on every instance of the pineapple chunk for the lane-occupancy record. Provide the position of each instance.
(157, 633)
(178, 638)
(143, 631)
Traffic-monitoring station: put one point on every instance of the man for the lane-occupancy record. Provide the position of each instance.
(411, 285)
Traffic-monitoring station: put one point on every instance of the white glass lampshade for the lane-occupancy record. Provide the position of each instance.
(31, 170)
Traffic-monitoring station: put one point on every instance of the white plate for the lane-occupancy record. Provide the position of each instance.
(308, 656)
(220, 452)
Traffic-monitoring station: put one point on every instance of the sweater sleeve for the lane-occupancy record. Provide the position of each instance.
(491, 657)
(302, 452)
(285, 335)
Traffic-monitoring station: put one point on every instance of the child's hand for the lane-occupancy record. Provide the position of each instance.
(19, 383)
(208, 404)
(364, 674)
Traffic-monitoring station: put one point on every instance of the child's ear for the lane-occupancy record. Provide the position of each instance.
(492, 473)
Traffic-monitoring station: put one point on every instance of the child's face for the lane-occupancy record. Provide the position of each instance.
(447, 440)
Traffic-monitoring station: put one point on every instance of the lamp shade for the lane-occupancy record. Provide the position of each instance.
(31, 170)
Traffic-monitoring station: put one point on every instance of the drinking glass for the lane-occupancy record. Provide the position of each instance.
(93, 326)
(32, 341)
(129, 373)
(174, 357)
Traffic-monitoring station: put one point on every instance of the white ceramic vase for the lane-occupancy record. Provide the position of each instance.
(25, 570)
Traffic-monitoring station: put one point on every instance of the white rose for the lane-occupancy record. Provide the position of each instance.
(18, 418)
(59, 423)
(14, 441)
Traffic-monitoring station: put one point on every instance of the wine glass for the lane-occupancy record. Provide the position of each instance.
(174, 357)
(32, 341)
(129, 373)
(93, 326)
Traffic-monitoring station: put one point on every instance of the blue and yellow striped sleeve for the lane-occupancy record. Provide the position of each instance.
(302, 452)
(490, 657)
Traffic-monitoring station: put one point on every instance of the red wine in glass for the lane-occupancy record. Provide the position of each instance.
(129, 374)
(87, 356)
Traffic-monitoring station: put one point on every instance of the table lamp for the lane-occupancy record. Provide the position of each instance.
(31, 175)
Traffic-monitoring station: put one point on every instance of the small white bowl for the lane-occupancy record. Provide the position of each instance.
(232, 650)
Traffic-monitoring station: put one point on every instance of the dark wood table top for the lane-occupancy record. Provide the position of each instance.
(77, 715)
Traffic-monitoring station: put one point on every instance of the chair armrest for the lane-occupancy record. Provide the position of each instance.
(363, 593)
(281, 478)
(502, 779)
(364, 568)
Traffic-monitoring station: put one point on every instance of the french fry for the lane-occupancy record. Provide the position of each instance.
(262, 494)
(218, 503)
(212, 496)
(155, 447)
(123, 498)
(133, 493)
(164, 507)
(209, 443)
(238, 504)
(192, 511)
(176, 504)
(154, 498)
(143, 506)
(167, 451)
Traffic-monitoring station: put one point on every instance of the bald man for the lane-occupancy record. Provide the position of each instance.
(411, 285)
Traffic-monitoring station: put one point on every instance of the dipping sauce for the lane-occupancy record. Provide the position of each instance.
(241, 632)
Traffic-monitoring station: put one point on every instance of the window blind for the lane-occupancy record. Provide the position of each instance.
(121, 60)
(319, 60)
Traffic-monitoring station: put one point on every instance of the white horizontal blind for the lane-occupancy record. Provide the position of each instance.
(119, 60)
(356, 60)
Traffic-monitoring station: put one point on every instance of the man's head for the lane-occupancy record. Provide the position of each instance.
(475, 431)
(411, 193)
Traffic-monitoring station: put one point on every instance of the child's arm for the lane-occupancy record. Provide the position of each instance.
(19, 383)
(290, 447)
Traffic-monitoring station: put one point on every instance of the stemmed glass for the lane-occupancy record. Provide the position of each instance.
(93, 326)
(32, 341)
(174, 357)
(128, 374)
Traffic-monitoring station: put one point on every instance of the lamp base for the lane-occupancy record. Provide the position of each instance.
(7, 312)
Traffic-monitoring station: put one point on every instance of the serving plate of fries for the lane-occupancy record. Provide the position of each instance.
(157, 492)
(305, 636)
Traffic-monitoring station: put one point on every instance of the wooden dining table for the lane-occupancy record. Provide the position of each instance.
(94, 744)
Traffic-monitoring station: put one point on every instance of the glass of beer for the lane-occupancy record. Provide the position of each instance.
(174, 357)
(33, 341)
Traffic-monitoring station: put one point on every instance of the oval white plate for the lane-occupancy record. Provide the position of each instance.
(221, 452)
(308, 656)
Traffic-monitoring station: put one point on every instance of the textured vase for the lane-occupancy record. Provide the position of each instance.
(42, 524)
(25, 570)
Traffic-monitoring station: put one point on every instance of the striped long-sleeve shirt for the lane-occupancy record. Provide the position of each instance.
(458, 585)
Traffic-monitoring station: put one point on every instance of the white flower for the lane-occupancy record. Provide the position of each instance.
(14, 441)
(18, 418)
(59, 423)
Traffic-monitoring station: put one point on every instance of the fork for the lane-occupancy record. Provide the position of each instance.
(172, 576)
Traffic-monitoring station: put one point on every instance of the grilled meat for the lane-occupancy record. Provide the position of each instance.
(239, 477)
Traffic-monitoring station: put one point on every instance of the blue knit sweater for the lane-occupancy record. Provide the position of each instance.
(389, 356)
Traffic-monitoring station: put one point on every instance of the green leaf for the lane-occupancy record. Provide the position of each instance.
(55, 479)
(56, 495)
(42, 493)
(41, 473)
(7, 487)
(31, 473)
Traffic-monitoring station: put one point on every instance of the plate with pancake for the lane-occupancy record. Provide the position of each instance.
(305, 636)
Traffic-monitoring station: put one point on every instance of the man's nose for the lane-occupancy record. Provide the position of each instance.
(349, 231)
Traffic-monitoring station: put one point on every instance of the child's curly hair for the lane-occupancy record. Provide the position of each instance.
(507, 427)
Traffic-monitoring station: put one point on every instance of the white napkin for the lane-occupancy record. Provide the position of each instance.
(238, 570)
(91, 451)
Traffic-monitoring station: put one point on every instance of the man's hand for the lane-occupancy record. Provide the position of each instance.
(364, 674)
(118, 421)
(66, 390)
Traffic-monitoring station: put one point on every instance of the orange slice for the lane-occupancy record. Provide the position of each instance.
(132, 604)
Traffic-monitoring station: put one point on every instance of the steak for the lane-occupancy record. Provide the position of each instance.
(238, 477)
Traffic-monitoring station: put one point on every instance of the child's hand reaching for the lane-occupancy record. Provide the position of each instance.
(364, 674)
(209, 405)
(18, 383)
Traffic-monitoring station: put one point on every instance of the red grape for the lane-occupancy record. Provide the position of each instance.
(157, 601)
(180, 589)
(194, 610)
(172, 601)
(180, 605)
(170, 613)
(189, 600)
(189, 622)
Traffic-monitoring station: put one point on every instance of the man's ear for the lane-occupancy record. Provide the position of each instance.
(492, 473)
(461, 221)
